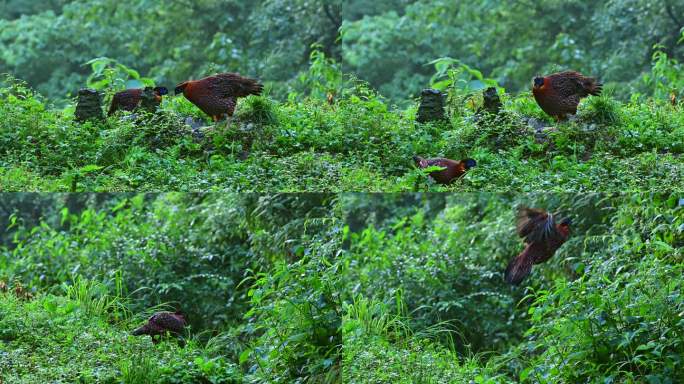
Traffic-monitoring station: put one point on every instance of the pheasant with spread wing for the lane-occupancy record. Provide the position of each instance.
(542, 238)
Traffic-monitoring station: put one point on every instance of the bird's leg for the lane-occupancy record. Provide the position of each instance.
(229, 119)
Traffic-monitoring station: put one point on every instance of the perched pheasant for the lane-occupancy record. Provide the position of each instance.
(217, 95)
(559, 94)
(542, 238)
(454, 169)
(131, 99)
(162, 323)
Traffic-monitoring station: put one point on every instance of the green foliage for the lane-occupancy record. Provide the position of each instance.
(323, 77)
(109, 74)
(358, 143)
(666, 75)
(93, 299)
(169, 42)
(621, 319)
(425, 291)
(86, 348)
(380, 347)
(511, 41)
(258, 271)
(451, 73)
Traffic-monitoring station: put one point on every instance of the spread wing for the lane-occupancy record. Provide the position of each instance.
(535, 225)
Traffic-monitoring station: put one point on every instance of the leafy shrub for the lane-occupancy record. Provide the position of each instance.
(426, 301)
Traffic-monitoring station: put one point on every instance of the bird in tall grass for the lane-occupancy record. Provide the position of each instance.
(162, 324)
(559, 94)
(131, 99)
(217, 95)
(452, 169)
(542, 236)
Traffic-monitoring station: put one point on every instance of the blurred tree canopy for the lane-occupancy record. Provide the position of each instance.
(168, 41)
(512, 40)
(387, 43)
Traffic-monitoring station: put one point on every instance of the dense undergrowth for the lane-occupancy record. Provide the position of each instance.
(86, 347)
(358, 144)
(386, 288)
(428, 302)
(252, 273)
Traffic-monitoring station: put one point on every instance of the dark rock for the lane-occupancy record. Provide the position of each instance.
(492, 102)
(431, 106)
(542, 136)
(88, 106)
(536, 124)
(195, 124)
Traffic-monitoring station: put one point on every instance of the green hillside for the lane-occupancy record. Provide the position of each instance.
(429, 304)
(252, 274)
(361, 143)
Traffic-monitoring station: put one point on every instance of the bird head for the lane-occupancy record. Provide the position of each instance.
(180, 88)
(161, 91)
(420, 162)
(469, 163)
(538, 82)
(566, 222)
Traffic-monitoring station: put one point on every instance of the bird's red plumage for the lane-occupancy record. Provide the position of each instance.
(161, 323)
(217, 95)
(130, 99)
(453, 169)
(560, 93)
(542, 238)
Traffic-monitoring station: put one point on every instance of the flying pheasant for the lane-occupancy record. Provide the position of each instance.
(162, 323)
(559, 94)
(217, 95)
(542, 238)
(131, 99)
(454, 169)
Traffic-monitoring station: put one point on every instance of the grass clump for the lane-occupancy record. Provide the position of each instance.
(58, 339)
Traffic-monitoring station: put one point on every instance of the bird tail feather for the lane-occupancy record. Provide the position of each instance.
(518, 269)
(249, 87)
(594, 88)
(139, 331)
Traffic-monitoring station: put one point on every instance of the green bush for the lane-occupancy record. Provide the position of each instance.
(85, 347)
(254, 274)
(426, 302)
(359, 143)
